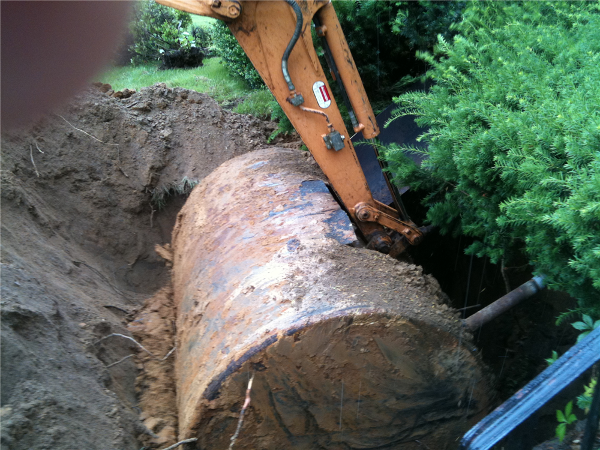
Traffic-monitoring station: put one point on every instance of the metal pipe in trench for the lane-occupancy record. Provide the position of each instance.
(506, 302)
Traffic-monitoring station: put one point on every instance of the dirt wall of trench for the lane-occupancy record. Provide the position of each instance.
(78, 258)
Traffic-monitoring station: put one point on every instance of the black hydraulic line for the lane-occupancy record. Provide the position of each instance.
(396, 196)
(591, 427)
(496, 426)
(336, 74)
(288, 50)
(333, 66)
(395, 193)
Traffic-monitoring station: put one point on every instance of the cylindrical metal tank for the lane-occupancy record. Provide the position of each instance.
(349, 348)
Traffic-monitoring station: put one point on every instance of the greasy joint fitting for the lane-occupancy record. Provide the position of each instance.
(364, 213)
(358, 128)
(379, 241)
(227, 8)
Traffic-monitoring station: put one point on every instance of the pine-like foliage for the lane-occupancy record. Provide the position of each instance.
(383, 37)
(420, 22)
(514, 137)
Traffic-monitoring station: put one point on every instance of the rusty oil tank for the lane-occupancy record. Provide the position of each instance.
(349, 348)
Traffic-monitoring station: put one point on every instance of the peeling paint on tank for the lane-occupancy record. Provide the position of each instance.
(292, 245)
(312, 187)
(340, 228)
(257, 165)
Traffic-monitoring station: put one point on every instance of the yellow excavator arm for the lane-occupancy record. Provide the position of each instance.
(276, 36)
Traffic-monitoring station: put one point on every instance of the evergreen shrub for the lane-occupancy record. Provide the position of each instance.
(384, 35)
(514, 138)
(420, 22)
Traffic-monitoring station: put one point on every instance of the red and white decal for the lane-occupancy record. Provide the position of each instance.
(322, 94)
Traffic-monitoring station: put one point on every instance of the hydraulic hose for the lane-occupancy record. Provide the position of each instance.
(336, 75)
(288, 50)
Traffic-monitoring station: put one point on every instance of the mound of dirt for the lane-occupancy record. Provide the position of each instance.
(78, 232)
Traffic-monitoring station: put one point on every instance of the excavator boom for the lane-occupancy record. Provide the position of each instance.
(276, 36)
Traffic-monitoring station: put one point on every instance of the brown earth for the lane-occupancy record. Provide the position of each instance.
(154, 328)
(78, 258)
(79, 230)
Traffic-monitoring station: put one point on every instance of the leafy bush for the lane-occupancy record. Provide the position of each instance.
(203, 39)
(564, 419)
(227, 48)
(584, 401)
(381, 56)
(514, 138)
(586, 326)
(284, 126)
(160, 34)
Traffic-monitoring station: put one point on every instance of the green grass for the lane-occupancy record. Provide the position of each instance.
(258, 103)
(212, 79)
(202, 21)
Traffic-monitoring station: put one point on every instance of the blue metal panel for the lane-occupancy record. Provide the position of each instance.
(540, 390)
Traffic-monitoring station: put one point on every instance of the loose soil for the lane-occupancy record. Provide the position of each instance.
(78, 258)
